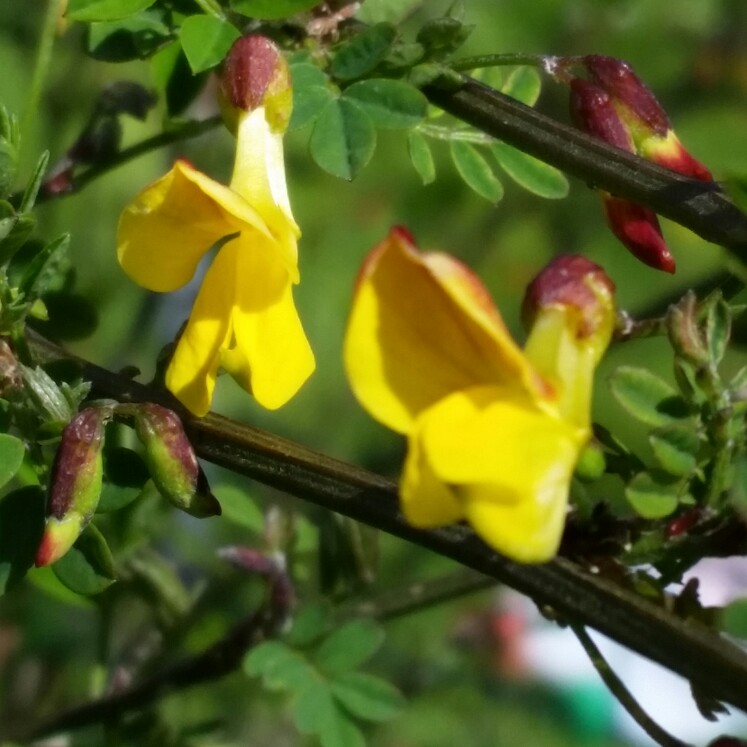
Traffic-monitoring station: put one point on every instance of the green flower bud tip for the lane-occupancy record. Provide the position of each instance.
(75, 485)
(172, 462)
(255, 74)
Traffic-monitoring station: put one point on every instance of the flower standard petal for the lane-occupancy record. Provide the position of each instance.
(422, 327)
(164, 232)
(268, 353)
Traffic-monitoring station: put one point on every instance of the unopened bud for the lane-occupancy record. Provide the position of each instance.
(684, 331)
(593, 111)
(75, 485)
(572, 281)
(172, 462)
(255, 74)
(637, 227)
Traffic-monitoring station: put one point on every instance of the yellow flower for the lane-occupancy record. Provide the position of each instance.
(244, 319)
(494, 432)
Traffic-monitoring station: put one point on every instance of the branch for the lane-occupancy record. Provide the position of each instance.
(699, 206)
(623, 695)
(685, 647)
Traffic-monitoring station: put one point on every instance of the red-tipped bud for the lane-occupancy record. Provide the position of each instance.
(172, 462)
(637, 227)
(669, 152)
(255, 74)
(572, 281)
(593, 111)
(618, 79)
(75, 485)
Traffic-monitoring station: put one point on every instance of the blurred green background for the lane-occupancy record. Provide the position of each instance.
(449, 661)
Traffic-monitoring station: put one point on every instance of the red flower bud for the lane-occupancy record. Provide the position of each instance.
(172, 462)
(75, 485)
(593, 112)
(256, 74)
(571, 280)
(638, 229)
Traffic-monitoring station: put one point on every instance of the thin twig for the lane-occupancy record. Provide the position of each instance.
(186, 131)
(700, 206)
(226, 655)
(622, 694)
(718, 667)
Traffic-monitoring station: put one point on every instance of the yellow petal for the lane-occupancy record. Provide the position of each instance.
(565, 360)
(164, 232)
(259, 171)
(509, 464)
(268, 354)
(425, 500)
(421, 327)
(194, 365)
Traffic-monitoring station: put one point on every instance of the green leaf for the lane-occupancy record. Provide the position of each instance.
(239, 507)
(88, 566)
(270, 10)
(675, 448)
(475, 171)
(280, 667)
(206, 41)
(32, 189)
(12, 451)
(421, 156)
(104, 10)
(337, 730)
(311, 92)
(21, 529)
(343, 139)
(46, 267)
(718, 329)
(309, 624)
(734, 618)
(313, 706)
(368, 697)
(524, 84)
(534, 175)
(647, 397)
(125, 475)
(653, 495)
(349, 646)
(391, 104)
(442, 36)
(363, 52)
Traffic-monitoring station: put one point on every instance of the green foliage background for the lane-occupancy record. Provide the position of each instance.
(690, 55)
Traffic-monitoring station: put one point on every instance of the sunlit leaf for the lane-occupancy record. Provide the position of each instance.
(647, 397)
(475, 170)
(206, 40)
(653, 495)
(421, 156)
(343, 139)
(534, 175)
(524, 84)
(391, 104)
(363, 52)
